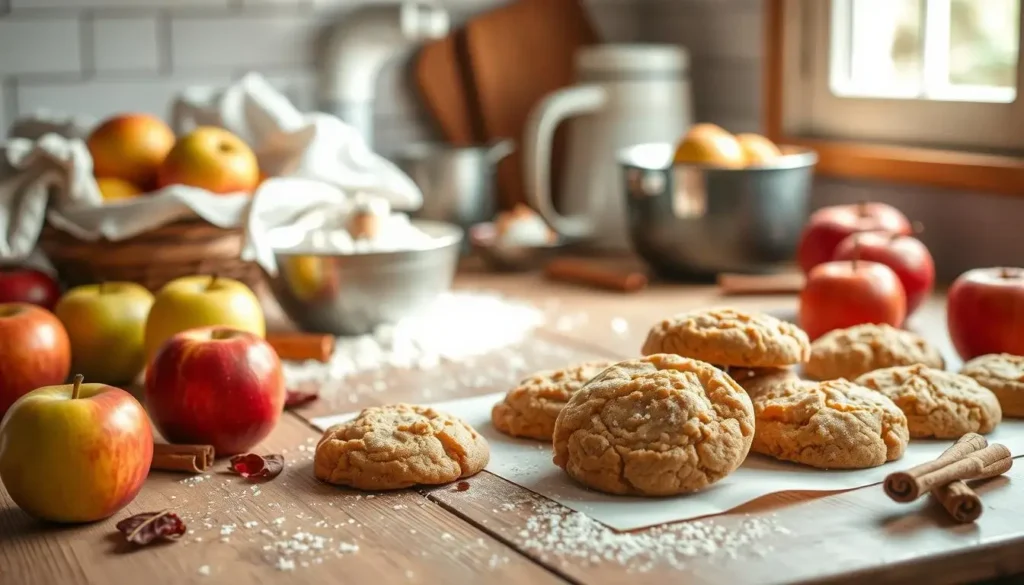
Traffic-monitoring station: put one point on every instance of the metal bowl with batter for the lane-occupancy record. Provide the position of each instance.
(351, 294)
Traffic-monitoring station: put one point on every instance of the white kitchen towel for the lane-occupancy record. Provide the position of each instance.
(50, 178)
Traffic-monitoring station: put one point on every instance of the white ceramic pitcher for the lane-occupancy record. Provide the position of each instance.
(627, 94)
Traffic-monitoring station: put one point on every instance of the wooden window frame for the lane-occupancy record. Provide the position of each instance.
(951, 169)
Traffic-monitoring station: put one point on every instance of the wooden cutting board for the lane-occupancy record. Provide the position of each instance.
(518, 54)
(440, 81)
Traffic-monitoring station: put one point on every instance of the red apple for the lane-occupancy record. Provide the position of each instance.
(34, 351)
(843, 293)
(906, 255)
(215, 386)
(985, 312)
(829, 226)
(75, 453)
(19, 284)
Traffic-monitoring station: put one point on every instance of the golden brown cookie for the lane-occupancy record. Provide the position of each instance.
(938, 404)
(756, 381)
(1003, 374)
(655, 426)
(398, 446)
(848, 353)
(830, 425)
(530, 409)
(730, 337)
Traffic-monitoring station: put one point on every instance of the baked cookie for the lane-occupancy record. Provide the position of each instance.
(398, 446)
(655, 426)
(1003, 374)
(756, 381)
(848, 353)
(830, 425)
(730, 337)
(938, 404)
(530, 409)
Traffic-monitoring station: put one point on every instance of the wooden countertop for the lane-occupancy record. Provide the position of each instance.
(489, 533)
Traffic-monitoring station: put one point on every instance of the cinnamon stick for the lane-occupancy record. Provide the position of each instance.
(302, 346)
(962, 503)
(968, 459)
(760, 284)
(576, 271)
(186, 458)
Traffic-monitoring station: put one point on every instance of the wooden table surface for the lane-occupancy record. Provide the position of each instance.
(295, 529)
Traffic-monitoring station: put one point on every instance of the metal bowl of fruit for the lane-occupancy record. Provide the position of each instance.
(701, 208)
(354, 293)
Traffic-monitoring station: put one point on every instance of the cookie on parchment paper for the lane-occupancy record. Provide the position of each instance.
(529, 410)
(938, 404)
(730, 337)
(656, 426)
(399, 446)
(851, 352)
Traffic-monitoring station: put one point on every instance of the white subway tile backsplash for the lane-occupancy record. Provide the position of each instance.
(102, 98)
(242, 41)
(125, 44)
(35, 45)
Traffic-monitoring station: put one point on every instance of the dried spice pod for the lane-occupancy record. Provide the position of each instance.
(257, 467)
(142, 529)
(296, 398)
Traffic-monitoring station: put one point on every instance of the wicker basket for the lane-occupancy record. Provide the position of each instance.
(151, 259)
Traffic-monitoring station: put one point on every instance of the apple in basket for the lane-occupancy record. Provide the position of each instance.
(213, 159)
(20, 284)
(130, 147)
(216, 386)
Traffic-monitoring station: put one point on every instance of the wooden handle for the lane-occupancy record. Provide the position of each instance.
(302, 346)
(760, 284)
(578, 271)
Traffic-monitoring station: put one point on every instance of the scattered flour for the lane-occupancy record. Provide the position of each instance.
(553, 532)
(458, 326)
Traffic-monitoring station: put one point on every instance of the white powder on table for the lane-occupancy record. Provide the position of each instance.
(553, 532)
(458, 326)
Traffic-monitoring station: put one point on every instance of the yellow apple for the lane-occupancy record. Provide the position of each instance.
(758, 149)
(114, 189)
(211, 158)
(107, 326)
(75, 453)
(707, 144)
(201, 301)
(130, 147)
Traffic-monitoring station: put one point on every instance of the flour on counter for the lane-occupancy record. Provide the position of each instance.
(458, 326)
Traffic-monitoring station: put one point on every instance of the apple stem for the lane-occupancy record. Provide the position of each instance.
(856, 252)
(76, 387)
(862, 207)
(917, 228)
(1007, 273)
(213, 279)
(103, 287)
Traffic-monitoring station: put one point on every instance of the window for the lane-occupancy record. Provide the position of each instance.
(940, 74)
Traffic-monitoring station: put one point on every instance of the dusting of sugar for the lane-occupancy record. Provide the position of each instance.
(553, 532)
(458, 326)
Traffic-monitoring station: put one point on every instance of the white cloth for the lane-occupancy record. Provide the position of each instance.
(50, 178)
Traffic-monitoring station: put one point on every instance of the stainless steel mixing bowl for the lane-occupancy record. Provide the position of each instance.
(691, 221)
(351, 294)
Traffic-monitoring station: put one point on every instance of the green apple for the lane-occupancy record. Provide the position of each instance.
(202, 301)
(107, 327)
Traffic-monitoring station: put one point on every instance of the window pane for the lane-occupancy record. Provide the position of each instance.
(984, 42)
(884, 46)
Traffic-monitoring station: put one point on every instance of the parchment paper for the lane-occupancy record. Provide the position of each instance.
(528, 464)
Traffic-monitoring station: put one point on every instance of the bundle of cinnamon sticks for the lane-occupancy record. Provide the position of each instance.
(969, 459)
